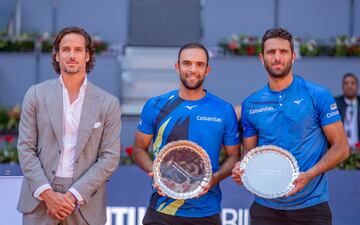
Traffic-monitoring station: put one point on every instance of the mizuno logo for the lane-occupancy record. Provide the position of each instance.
(298, 101)
(190, 107)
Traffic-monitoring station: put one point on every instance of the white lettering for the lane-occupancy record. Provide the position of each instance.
(135, 215)
(124, 215)
(328, 115)
(140, 215)
(230, 216)
(210, 119)
(265, 109)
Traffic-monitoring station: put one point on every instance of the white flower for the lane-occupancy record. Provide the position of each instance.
(353, 40)
(234, 37)
(45, 35)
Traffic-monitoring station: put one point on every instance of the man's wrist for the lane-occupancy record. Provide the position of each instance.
(72, 197)
(76, 195)
(45, 194)
(40, 190)
(216, 178)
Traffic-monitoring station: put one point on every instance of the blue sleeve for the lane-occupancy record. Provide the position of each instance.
(248, 129)
(231, 131)
(326, 107)
(146, 123)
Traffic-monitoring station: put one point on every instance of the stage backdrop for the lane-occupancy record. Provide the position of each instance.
(129, 190)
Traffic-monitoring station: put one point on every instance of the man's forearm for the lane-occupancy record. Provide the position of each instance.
(226, 168)
(142, 159)
(335, 155)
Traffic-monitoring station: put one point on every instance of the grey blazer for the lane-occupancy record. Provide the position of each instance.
(97, 148)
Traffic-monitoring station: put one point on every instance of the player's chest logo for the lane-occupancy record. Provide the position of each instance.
(190, 107)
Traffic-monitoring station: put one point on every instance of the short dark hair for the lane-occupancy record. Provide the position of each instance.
(194, 45)
(277, 33)
(88, 45)
(346, 75)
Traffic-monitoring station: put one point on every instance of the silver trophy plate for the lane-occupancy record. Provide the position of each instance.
(181, 169)
(269, 171)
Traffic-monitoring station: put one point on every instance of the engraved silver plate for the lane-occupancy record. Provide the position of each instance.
(181, 169)
(269, 171)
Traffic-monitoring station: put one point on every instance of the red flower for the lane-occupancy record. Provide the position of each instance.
(357, 145)
(250, 50)
(129, 150)
(233, 46)
(9, 138)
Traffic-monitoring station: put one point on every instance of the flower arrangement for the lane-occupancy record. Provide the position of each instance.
(126, 155)
(241, 45)
(341, 46)
(8, 150)
(345, 46)
(28, 42)
(9, 120)
(9, 123)
(353, 162)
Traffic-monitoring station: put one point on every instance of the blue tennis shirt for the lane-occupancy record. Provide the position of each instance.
(293, 119)
(209, 122)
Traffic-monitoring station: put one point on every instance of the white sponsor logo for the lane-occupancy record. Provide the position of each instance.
(209, 118)
(333, 106)
(328, 115)
(190, 107)
(140, 122)
(264, 109)
(298, 101)
(131, 215)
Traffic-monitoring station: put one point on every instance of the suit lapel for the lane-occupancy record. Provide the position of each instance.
(54, 102)
(89, 115)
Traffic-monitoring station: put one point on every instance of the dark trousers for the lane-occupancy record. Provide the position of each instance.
(153, 217)
(319, 214)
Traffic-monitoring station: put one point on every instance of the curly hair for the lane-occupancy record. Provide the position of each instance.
(88, 45)
(277, 33)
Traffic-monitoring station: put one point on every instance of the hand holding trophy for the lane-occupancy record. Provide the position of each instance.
(182, 169)
(269, 171)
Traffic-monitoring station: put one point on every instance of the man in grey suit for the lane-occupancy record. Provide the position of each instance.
(69, 142)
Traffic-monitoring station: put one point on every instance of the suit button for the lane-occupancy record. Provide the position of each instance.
(76, 161)
(53, 172)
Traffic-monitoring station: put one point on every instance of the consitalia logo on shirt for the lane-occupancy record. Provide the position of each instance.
(260, 110)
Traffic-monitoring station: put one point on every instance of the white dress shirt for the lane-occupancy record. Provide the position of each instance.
(71, 122)
(350, 121)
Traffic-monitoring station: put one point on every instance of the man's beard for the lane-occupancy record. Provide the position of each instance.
(278, 73)
(189, 86)
(70, 70)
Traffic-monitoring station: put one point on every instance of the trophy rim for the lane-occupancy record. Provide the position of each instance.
(167, 149)
(263, 150)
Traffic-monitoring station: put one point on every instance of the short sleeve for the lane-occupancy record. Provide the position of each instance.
(146, 124)
(231, 131)
(326, 107)
(248, 128)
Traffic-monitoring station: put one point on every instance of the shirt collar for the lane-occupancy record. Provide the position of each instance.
(350, 102)
(287, 89)
(83, 86)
